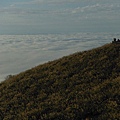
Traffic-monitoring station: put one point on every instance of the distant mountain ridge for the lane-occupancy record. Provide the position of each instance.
(81, 86)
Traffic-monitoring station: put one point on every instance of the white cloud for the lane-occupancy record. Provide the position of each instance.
(17, 8)
(21, 52)
(97, 11)
(96, 8)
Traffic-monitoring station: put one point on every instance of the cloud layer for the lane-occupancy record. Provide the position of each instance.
(21, 52)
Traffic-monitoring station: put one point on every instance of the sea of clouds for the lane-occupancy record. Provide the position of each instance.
(21, 52)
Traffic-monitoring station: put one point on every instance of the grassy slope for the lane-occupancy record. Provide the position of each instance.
(85, 84)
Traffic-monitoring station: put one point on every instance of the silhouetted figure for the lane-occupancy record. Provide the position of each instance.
(114, 39)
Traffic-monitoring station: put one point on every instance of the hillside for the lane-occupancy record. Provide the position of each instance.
(81, 86)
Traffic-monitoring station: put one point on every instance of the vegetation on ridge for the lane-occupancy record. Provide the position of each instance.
(76, 87)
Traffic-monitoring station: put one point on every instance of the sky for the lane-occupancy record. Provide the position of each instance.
(59, 16)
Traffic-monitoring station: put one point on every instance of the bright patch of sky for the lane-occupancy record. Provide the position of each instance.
(59, 16)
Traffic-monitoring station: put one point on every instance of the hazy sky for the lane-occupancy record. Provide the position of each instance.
(59, 16)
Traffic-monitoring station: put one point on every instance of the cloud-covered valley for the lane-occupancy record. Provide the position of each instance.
(21, 52)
